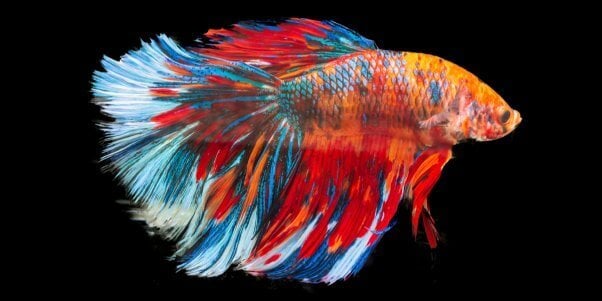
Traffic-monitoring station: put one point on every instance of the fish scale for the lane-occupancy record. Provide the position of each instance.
(358, 86)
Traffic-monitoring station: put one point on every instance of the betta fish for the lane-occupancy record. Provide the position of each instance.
(285, 149)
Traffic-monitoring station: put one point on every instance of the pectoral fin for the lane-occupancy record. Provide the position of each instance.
(435, 120)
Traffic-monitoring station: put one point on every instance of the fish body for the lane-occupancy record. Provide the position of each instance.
(286, 149)
(380, 92)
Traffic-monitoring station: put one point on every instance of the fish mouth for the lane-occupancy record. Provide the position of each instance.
(516, 118)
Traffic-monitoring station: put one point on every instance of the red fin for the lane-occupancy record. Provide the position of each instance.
(173, 116)
(285, 49)
(428, 223)
(339, 189)
(422, 177)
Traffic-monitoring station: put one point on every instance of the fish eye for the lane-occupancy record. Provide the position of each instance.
(504, 116)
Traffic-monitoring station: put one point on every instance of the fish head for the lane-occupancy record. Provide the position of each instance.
(481, 113)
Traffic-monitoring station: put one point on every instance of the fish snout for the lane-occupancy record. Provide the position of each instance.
(516, 118)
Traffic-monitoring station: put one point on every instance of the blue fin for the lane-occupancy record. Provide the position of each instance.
(189, 132)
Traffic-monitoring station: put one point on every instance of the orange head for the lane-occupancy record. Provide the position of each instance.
(480, 113)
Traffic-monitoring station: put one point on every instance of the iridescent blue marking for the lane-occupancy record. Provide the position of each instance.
(352, 63)
(386, 63)
(276, 156)
(365, 69)
(435, 92)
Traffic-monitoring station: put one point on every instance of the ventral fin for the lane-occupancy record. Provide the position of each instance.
(422, 177)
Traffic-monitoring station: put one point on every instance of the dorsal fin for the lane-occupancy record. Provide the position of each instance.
(284, 49)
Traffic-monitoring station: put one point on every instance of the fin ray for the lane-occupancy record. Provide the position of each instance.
(335, 208)
(185, 126)
(284, 49)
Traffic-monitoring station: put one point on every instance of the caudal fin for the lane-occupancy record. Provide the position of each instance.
(199, 145)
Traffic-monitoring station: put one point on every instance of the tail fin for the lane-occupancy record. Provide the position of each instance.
(199, 145)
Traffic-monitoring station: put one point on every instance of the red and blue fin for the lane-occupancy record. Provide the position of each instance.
(335, 208)
(285, 49)
(340, 201)
(200, 146)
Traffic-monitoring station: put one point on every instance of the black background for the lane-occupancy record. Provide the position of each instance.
(485, 203)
